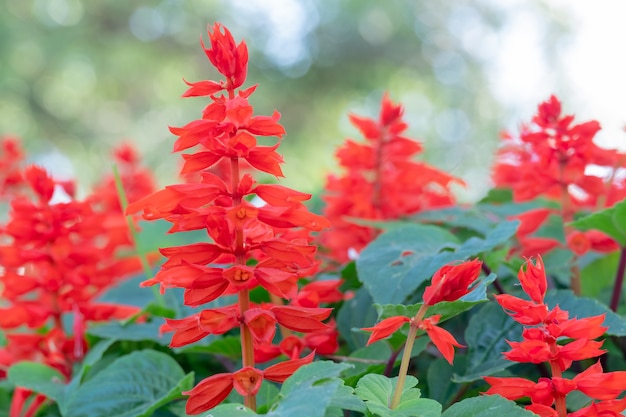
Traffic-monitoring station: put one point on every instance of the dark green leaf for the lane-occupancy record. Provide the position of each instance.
(611, 221)
(486, 336)
(356, 313)
(133, 386)
(39, 378)
(486, 406)
(399, 261)
(581, 307)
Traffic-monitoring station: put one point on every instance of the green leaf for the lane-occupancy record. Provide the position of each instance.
(486, 406)
(134, 385)
(611, 221)
(131, 331)
(394, 265)
(315, 388)
(486, 336)
(469, 218)
(377, 392)
(39, 378)
(399, 261)
(311, 391)
(446, 309)
(581, 307)
(439, 379)
(354, 314)
(230, 410)
(599, 275)
(495, 237)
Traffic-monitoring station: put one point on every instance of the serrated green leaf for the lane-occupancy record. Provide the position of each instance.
(132, 386)
(39, 378)
(377, 392)
(581, 307)
(447, 310)
(486, 335)
(486, 406)
(611, 221)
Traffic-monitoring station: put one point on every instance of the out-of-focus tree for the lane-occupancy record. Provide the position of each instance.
(77, 76)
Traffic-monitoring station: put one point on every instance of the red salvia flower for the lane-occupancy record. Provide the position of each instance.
(452, 282)
(559, 341)
(551, 159)
(253, 245)
(381, 181)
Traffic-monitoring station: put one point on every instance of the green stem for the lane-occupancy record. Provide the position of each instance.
(406, 355)
(121, 193)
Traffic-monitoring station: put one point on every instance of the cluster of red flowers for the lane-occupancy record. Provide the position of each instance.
(450, 283)
(558, 160)
(381, 182)
(56, 258)
(551, 336)
(259, 232)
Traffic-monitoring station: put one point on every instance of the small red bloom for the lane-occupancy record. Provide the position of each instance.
(442, 339)
(452, 282)
(385, 328)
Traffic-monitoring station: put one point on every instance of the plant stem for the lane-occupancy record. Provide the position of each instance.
(619, 280)
(390, 362)
(247, 349)
(406, 355)
(559, 399)
(496, 283)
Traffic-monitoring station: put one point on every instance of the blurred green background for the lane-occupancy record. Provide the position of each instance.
(79, 76)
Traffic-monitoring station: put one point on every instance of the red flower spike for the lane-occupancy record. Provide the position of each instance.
(452, 282)
(251, 246)
(385, 328)
(381, 181)
(442, 339)
(186, 330)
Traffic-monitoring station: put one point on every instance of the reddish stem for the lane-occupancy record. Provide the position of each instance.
(619, 280)
(247, 349)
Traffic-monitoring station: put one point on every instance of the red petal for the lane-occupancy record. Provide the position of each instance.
(209, 393)
(385, 328)
(281, 371)
(202, 88)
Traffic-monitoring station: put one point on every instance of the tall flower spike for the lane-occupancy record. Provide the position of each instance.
(553, 338)
(253, 246)
(381, 180)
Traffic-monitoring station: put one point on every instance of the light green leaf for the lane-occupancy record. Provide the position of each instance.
(377, 392)
(486, 406)
(611, 221)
